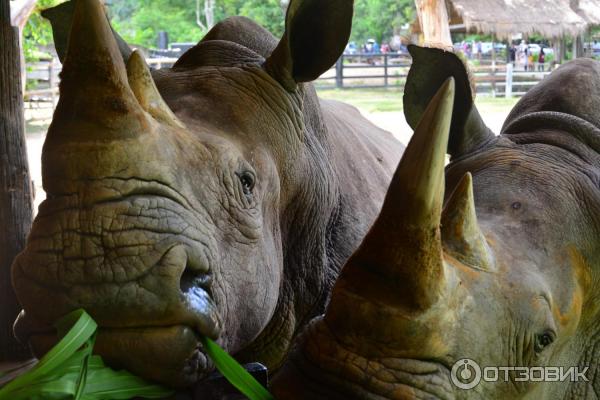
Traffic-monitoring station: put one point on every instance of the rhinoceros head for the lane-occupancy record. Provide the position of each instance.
(170, 213)
(496, 260)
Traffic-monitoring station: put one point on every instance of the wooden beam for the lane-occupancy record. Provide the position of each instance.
(16, 205)
(433, 17)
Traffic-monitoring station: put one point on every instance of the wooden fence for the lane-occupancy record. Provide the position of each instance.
(43, 78)
(368, 70)
(351, 71)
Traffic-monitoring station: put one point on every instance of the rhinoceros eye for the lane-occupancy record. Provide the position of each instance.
(543, 340)
(247, 180)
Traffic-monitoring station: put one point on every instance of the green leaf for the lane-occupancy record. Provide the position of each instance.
(234, 372)
(70, 371)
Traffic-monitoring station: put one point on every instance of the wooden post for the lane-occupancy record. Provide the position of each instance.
(16, 203)
(563, 50)
(339, 72)
(51, 82)
(493, 66)
(385, 69)
(433, 17)
(577, 46)
(509, 81)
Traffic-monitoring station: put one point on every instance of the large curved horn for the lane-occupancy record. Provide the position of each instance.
(460, 231)
(61, 19)
(146, 92)
(403, 249)
(94, 91)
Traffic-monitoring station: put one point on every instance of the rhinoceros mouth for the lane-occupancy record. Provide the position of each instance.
(141, 264)
(172, 355)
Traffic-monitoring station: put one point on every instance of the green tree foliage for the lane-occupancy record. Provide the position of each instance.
(268, 13)
(37, 32)
(139, 21)
(380, 19)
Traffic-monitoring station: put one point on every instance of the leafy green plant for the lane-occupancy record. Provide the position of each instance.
(37, 31)
(234, 372)
(70, 371)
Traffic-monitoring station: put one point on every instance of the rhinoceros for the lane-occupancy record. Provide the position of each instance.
(481, 280)
(220, 197)
(491, 261)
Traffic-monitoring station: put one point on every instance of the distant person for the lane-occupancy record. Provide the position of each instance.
(541, 60)
(522, 55)
(476, 50)
(530, 62)
(385, 48)
(512, 53)
(479, 49)
(376, 48)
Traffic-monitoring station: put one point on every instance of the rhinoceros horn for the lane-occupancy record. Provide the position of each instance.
(403, 249)
(96, 101)
(144, 88)
(61, 18)
(460, 231)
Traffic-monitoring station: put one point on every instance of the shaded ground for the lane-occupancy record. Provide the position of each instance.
(383, 107)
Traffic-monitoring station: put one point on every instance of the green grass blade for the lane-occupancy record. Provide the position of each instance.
(70, 371)
(235, 373)
(82, 329)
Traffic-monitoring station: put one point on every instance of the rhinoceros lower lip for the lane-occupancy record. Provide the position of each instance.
(171, 354)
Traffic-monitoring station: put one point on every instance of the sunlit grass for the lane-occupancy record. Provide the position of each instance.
(383, 100)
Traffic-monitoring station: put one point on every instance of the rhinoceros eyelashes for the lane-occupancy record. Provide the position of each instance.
(144, 88)
(247, 180)
(461, 235)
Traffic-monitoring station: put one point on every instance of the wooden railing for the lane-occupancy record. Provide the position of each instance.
(43, 79)
(368, 70)
(351, 71)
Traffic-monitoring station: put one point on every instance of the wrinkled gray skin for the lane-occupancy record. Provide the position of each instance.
(529, 295)
(230, 219)
(142, 212)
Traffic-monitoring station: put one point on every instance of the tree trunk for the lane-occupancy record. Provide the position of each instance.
(20, 11)
(433, 17)
(209, 13)
(16, 205)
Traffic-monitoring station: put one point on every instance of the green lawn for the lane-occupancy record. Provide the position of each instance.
(382, 100)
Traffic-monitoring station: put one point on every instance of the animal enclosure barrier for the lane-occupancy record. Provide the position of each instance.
(351, 71)
(369, 70)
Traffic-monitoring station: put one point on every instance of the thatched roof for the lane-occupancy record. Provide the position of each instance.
(589, 10)
(550, 18)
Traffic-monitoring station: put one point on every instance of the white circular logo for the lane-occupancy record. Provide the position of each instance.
(465, 374)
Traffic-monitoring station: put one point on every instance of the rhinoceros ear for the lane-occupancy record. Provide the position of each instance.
(430, 69)
(61, 19)
(316, 32)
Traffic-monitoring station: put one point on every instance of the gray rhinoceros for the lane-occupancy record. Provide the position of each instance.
(225, 210)
(493, 262)
(470, 277)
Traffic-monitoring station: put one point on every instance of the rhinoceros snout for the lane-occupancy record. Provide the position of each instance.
(140, 265)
